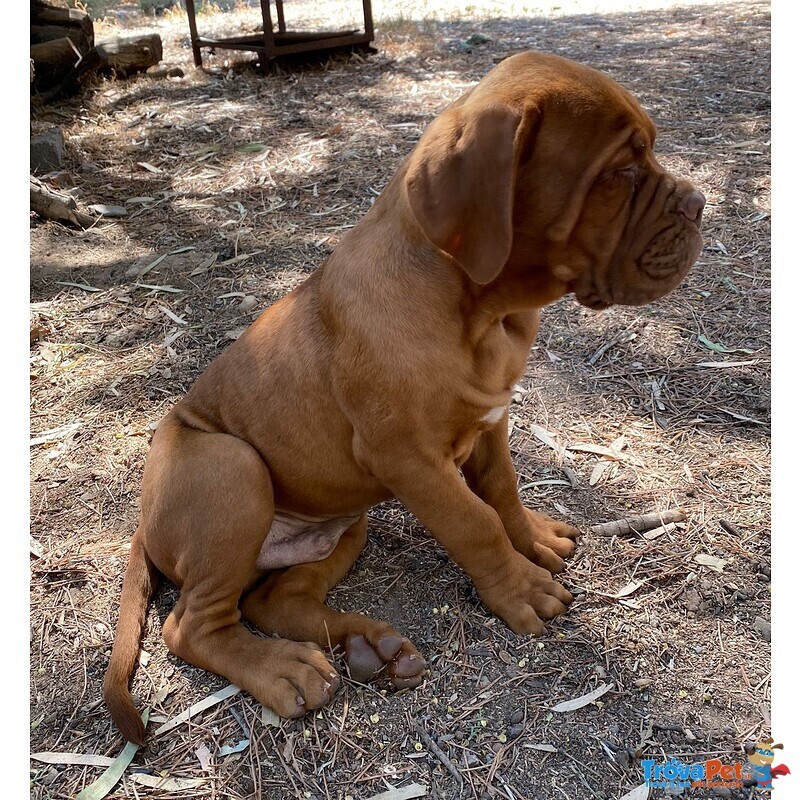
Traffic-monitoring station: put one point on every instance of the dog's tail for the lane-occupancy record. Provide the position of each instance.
(141, 580)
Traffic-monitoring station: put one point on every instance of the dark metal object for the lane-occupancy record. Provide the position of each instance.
(271, 44)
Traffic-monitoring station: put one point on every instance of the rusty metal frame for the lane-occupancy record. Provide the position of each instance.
(271, 44)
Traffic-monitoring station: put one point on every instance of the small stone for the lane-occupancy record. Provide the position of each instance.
(517, 717)
(763, 627)
(248, 303)
(721, 791)
(514, 731)
(47, 151)
(692, 600)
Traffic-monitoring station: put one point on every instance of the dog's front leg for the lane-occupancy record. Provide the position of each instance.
(514, 588)
(490, 473)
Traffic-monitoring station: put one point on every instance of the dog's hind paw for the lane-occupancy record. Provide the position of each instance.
(387, 652)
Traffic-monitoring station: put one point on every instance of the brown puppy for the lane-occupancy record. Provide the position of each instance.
(388, 374)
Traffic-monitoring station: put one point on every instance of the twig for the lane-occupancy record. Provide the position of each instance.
(439, 753)
(646, 522)
(730, 528)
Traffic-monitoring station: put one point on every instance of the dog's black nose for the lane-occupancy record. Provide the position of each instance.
(692, 205)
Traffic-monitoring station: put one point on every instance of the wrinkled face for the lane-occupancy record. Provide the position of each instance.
(546, 170)
(639, 226)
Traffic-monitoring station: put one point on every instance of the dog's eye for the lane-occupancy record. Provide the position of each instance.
(619, 177)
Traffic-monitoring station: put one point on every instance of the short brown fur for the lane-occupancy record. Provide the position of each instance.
(388, 374)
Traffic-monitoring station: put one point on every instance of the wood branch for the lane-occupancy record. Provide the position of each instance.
(439, 753)
(54, 205)
(646, 522)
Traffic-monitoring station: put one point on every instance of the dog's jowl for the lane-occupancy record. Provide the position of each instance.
(404, 346)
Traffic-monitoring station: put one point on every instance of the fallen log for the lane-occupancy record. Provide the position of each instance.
(54, 205)
(60, 37)
(128, 54)
(53, 22)
(122, 56)
(53, 59)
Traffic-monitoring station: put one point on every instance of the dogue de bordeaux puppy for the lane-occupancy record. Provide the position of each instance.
(388, 373)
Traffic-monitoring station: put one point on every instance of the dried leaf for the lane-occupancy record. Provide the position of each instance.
(544, 748)
(55, 433)
(82, 759)
(152, 264)
(583, 700)
(174, 317)
(167, 784)
(269, 717)
(204, 265)
(606, 452)
(639, 793)
(157, 288)
(721, 348)
(706, 560)
(84, 286)
(204, 757)
(237, 259)
(547, 438)
(109, 211)
(149, 167)
(726, 364)
(202, 705)
(506, 658)
(628, 588)
(108, 780)
(226, 750)
(662, 529)
(600, 469)
(407, 792)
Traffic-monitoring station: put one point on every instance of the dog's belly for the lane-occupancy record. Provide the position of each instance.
(299, 540)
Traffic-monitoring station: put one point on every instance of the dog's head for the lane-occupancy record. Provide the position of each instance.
(549, 165)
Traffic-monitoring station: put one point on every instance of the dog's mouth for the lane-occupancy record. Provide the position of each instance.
(595, 303)
(589, 297)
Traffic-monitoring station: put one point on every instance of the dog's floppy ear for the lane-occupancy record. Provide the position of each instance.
(460, 185)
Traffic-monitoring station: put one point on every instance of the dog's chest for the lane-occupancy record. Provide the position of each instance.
(294, 540)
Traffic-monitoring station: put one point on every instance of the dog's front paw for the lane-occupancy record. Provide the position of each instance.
(523, 595)
(545, 541)
(379, 651)
(296, 678)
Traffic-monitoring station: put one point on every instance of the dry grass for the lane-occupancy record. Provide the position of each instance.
(260, 177)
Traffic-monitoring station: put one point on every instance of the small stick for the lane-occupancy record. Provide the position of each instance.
(439, 753)
(646, 522)
(730, 528)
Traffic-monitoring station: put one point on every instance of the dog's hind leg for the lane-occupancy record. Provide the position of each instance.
(291, 603)
(207, 505)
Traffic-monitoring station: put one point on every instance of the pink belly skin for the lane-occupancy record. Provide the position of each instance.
(293, 540)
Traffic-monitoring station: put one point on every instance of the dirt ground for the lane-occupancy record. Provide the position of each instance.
(237, 186)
